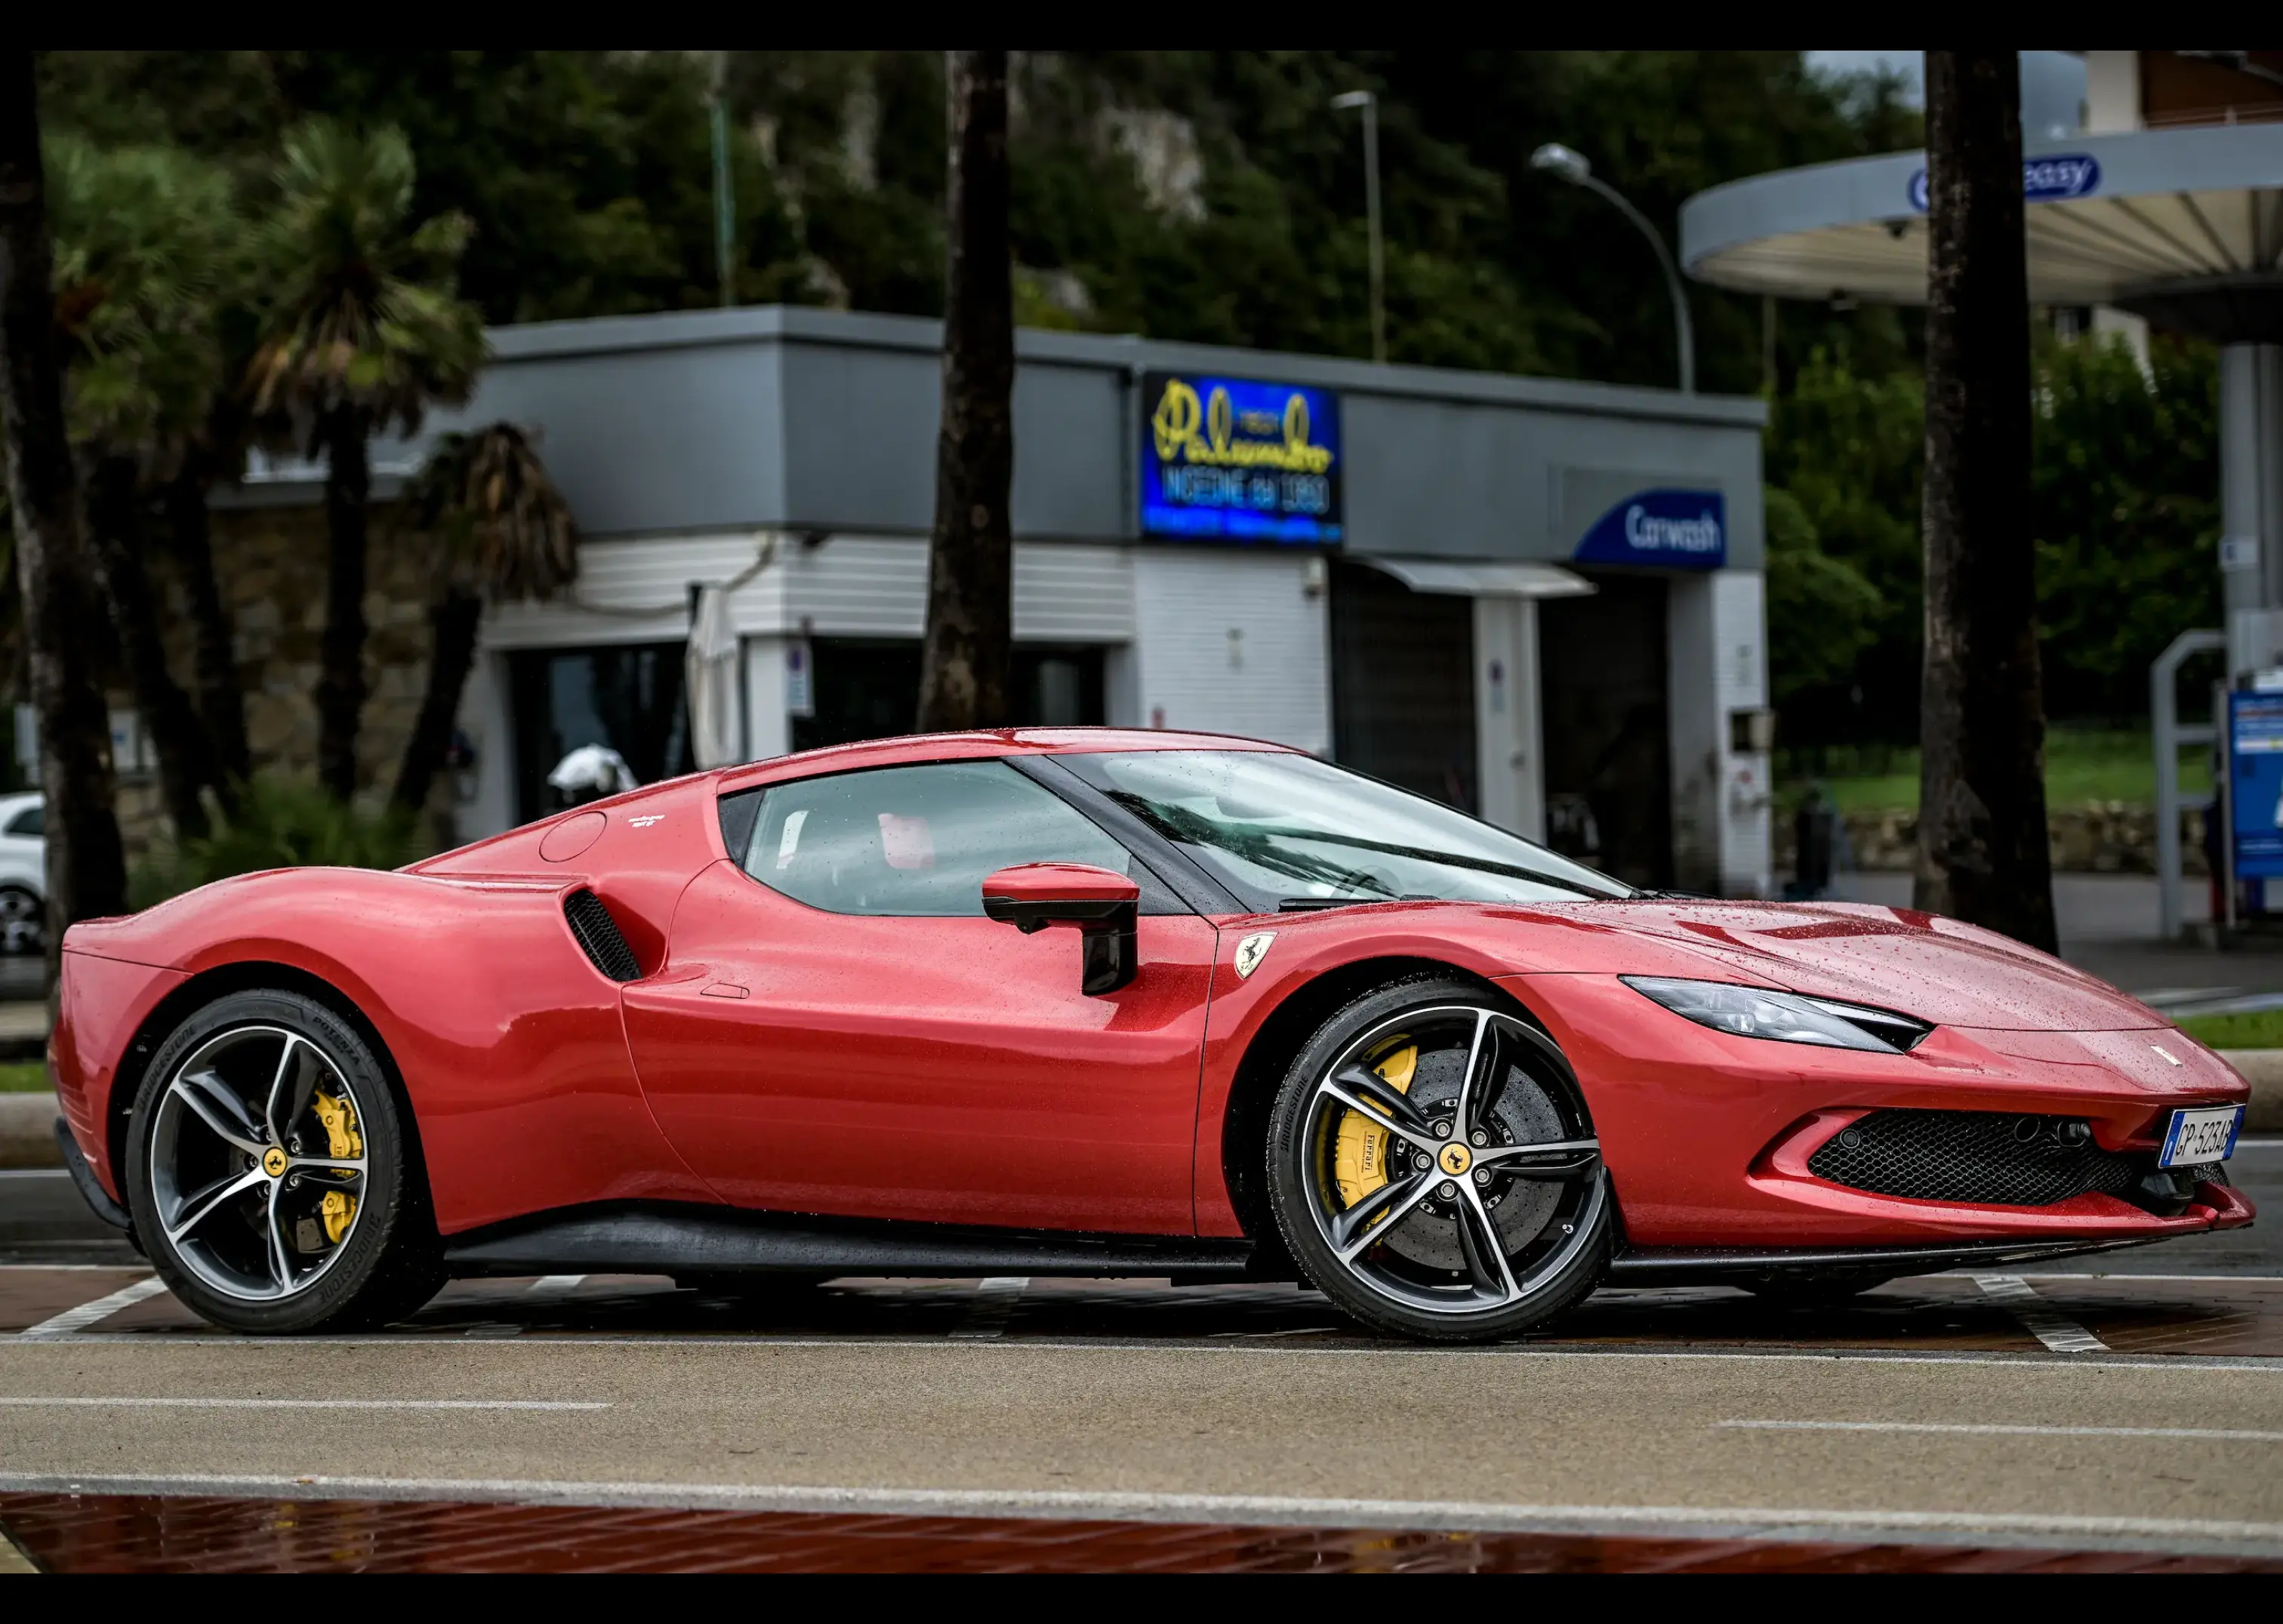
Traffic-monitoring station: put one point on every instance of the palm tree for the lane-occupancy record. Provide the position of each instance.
(86, 864)
(970, 571)
(368, 332)
(1981, 854)
(146, 249)
(507, 534)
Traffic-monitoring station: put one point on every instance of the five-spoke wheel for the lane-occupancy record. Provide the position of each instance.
(1434, 1168)
(266, 1169)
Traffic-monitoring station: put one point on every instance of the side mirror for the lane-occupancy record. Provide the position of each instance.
(1031, 896)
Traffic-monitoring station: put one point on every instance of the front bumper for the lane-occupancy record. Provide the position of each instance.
(1707, 1136)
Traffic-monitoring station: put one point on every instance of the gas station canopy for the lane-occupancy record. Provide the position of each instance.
(2184, 226)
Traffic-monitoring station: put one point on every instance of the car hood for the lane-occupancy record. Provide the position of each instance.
(1896, 958)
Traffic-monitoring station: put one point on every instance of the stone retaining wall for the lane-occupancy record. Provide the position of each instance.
(2097, 837)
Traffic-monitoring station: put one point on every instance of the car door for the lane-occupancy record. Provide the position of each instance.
(839, 1029)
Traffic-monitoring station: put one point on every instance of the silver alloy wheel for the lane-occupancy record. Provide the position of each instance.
(242, 1162)
(1452, 1162)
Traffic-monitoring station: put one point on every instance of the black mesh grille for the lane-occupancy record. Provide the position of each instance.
(1985, 1157)
(598, 934)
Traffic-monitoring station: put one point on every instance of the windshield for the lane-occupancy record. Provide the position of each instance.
(1291, 832)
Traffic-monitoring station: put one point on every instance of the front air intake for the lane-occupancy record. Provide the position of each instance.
(590, 921)
(1984, 1158)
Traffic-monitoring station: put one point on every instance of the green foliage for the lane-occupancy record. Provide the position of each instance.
(368, 320)
(506, 528)
(2125, 484)
(1847, 450)
(2260, 1029)
(279, 822)
(149, 254)
(1822, 613)
(25, 1077)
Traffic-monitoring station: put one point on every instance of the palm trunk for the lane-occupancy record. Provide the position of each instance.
(341, 677)
(115, 518)
(970, 613)
(1982, 793)
(453, 620)
(86, 865)
(214, 652)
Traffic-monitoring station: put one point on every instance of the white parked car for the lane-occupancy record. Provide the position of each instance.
(23, 874)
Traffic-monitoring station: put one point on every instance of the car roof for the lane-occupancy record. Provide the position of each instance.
(983, 743)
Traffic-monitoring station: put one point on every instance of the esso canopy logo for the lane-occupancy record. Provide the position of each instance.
(2053, 178)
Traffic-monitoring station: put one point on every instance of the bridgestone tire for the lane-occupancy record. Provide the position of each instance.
(389, 1263)
(1573, 1281)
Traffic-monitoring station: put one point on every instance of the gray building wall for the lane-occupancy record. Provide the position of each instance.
(803, 419)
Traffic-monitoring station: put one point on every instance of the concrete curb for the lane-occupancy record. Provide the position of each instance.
(2263, 1069)
(27, 1131)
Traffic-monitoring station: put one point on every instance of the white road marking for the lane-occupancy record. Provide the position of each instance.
(2249, 1364)
(168, 1403)
(554, 1286)
(32, 1172)
(72, 1321)
(1145, 1506)
(2220, 1279)
(2057, 1331)
(1994, 1429)
(994, 1304)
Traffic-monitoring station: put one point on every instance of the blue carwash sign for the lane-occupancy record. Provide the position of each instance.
(2255, 746)
(1670, 530)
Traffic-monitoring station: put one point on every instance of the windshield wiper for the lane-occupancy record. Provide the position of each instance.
(1420, 854)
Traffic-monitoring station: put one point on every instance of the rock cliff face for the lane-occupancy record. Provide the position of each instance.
(2099, 836)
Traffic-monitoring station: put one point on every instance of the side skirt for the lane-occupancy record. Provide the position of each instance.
(665, 1238)
(1726, 1266)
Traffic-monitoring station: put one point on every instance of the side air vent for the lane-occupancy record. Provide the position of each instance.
(599, 936)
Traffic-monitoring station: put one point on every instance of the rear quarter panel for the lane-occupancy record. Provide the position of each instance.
(512, 1046)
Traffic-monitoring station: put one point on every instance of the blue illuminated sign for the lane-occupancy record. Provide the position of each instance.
(2255, 746)
(2052, 179)
(1228, 459)
(1672, 529)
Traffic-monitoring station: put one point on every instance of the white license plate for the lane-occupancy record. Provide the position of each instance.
(2198, 1137)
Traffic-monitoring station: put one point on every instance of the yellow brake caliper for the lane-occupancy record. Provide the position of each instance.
(1359, 1156)
(344, 1144)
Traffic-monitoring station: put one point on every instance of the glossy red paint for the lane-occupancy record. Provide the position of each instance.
(945, 1069)
(1059, 882)
(951, 1069)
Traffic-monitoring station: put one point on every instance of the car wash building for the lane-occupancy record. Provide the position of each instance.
(1537, 600)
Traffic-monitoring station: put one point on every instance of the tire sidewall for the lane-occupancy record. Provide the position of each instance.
(1289, 1197)
(364, 1262)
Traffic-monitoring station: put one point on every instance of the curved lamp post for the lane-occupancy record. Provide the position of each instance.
(1557, 159)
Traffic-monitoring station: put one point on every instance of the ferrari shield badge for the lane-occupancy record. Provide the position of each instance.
(1250, 951)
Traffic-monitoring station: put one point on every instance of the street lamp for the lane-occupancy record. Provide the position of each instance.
(1557, 159)
(1369, 103)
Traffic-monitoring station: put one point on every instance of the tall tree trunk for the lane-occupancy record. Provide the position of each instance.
(454, 619)
(117, 522)
(213, 645)
(341, 677)
(86, 865)
(970, 610)
(1982, 791)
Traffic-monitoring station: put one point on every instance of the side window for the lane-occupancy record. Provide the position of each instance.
(916, 840)
(30, 821)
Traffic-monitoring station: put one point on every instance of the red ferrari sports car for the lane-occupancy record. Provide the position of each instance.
(1093, 1003)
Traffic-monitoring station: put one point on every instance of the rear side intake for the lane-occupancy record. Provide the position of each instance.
(599, 936)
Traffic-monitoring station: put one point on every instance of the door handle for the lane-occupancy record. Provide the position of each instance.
(722, 989)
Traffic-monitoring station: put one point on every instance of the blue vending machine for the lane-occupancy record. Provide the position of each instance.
(2255, 799)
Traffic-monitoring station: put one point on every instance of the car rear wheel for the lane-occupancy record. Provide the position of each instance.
(23, 921)
(1433, 1168)
(269, 1174)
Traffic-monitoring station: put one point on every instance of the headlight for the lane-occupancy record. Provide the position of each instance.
(1787, 1018)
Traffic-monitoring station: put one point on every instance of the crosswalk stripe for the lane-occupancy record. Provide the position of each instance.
(72, 1321)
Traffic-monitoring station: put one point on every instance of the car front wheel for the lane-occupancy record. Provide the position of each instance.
(1434, 1169)
(269, 1174)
